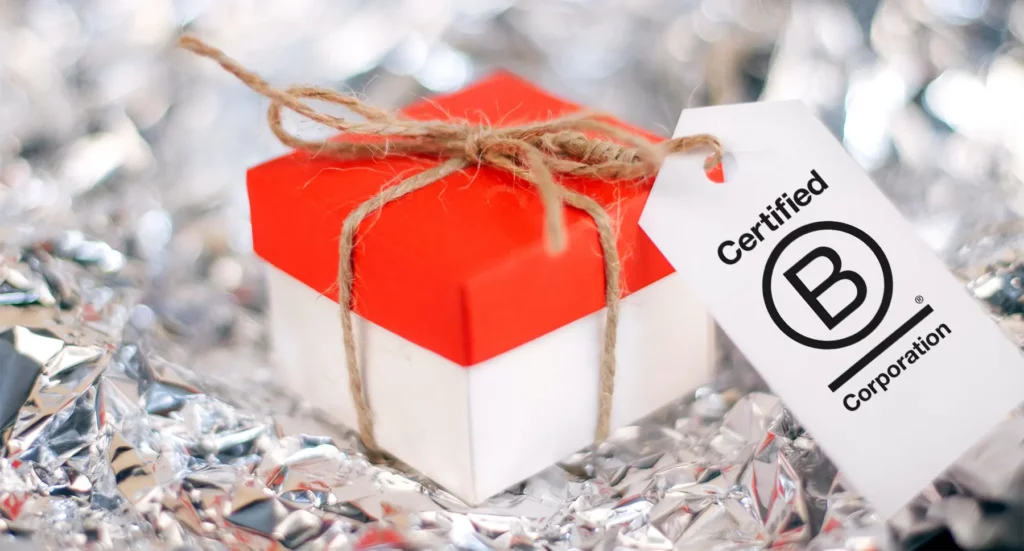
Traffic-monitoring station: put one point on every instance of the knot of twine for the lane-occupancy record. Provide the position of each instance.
(579, 144)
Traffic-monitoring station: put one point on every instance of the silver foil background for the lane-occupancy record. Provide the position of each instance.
(137, 398)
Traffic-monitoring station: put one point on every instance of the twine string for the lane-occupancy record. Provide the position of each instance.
(580, 144)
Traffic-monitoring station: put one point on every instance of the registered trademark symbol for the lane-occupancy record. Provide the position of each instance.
(919, 299)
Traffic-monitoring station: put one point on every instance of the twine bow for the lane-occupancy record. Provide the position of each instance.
(578, 144)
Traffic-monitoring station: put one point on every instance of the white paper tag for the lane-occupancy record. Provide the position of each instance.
(828, 291)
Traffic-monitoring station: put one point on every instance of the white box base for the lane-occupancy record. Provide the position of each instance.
(479, 430)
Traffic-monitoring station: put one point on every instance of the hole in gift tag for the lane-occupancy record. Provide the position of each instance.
(719, 172)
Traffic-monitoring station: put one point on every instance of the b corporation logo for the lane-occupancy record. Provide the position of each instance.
(827, 285)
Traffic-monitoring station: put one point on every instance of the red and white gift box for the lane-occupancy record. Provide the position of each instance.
(480, 349)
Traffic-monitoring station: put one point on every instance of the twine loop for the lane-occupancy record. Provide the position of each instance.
(579, 144)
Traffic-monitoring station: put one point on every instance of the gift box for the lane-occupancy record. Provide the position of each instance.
(479, 346)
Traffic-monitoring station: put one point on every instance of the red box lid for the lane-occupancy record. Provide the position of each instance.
(459, 267)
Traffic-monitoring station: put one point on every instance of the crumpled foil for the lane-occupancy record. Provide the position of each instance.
(106, 444)
(137, 400)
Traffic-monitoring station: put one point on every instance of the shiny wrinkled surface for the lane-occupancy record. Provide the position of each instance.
(137, 398)
(112, 445)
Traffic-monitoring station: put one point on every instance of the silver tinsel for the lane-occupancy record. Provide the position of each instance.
(137, 398)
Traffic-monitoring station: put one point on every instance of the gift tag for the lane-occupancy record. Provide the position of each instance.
(829, 292)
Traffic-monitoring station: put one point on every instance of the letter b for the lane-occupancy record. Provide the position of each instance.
(812, 288)
(811, 296)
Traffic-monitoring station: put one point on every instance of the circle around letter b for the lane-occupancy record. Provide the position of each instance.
(810, 296)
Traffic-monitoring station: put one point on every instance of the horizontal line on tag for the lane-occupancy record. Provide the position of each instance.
(880, 347)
